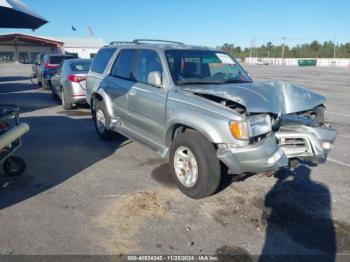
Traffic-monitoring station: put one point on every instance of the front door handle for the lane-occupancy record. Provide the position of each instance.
(132, 93)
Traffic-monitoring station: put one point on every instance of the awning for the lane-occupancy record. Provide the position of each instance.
(15, 14)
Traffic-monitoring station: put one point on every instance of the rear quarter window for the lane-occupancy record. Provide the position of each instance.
(82, 66)
(101, 60)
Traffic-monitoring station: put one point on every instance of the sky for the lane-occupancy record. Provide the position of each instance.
(201, 22)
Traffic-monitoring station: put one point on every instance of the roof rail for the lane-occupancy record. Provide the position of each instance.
(138, 41)
(120, 42)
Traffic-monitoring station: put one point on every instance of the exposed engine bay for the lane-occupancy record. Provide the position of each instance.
(302, 135)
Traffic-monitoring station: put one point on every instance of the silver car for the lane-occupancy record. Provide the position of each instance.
(200, 109)
(69, 82)
(48, 66)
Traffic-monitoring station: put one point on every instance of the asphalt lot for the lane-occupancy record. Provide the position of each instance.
(81, 195)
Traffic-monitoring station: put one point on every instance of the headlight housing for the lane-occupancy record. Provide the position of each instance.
(239, 129)
(255, 125)
(260, 124)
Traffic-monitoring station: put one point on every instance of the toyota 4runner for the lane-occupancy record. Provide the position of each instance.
(198, 107)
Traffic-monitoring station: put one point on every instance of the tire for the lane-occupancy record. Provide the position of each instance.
(66, 106)
(99, 117)
(54, 94)
(43, 82)
(39, 82)
(14, 166)
(208, 165)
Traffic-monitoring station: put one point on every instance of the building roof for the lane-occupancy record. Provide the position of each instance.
(81, 42)
(30, 38)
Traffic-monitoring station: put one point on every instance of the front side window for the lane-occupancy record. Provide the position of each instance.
(148, 62)
(203, 67)
(101, 60)
(122, 68)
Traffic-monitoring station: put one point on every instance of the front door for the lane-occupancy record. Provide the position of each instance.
(146, 101)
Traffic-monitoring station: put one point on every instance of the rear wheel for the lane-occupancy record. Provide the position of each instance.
(65, 104)
(43, 82)
(100, 120)
(194, 165)
(54, 94)
(39, 80)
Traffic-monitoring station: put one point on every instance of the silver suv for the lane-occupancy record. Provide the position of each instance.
(198, 107)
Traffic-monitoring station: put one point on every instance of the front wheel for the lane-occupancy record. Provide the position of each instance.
(194, 165)
(14, 166)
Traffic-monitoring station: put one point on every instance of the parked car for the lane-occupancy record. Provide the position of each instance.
(36, 64)
(47, 67)
(69, 82)
(200, 108)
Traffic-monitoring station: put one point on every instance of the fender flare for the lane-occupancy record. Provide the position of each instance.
(106, 100)
(204, 127)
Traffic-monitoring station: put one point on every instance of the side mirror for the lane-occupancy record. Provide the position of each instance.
(155, 78)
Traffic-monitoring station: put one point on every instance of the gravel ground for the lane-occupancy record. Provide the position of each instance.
(81, 195)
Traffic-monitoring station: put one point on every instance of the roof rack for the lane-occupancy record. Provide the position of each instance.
(120, 42)
(138, 41)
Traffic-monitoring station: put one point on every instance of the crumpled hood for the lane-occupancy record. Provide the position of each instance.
(264, 97)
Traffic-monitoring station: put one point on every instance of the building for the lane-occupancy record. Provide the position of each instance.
(82, 47)
(23, 48)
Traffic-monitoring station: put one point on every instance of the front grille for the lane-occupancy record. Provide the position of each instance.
(295, 146)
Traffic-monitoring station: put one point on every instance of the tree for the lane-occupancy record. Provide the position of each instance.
(306, 50)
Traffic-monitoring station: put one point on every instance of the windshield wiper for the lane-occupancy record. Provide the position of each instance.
(234, 80)
(199, 82)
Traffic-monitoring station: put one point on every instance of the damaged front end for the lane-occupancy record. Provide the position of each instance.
(305, 136)
(298, 128)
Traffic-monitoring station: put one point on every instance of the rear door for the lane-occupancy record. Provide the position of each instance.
(147, 102)
(119, 82)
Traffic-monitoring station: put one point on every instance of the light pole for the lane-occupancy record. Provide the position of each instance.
(335, 47)
(283, 46)
(251, 47)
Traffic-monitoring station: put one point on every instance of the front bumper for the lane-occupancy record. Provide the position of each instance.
(306, 143)
(262, 157)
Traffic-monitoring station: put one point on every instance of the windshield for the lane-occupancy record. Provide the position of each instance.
(203, 67)
(81, 66)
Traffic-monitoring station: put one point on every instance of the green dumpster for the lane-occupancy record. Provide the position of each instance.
(307, 62)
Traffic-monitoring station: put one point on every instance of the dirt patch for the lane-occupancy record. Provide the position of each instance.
(233, 210)
(125, 217)
(342, 230)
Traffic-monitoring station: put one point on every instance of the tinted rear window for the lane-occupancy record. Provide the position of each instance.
(123, 66)
(101, 60)
(55, 60)
(82, 66)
